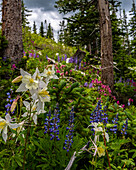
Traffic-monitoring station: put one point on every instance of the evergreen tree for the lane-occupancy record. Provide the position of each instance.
(49, 33)
(83, 27)
(42, 30)
(25, 14)
(132, 32)
(61, 32)
(126, 41)
(34, 28)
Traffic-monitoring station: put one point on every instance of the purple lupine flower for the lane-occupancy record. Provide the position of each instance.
(79, 66)
(115, 122)
(75, 67)
(68, 142)
(62, 58)
(9, 100)
(30, 55)
(124, 128)
(65, 57)
(46, 57)
(90, 85)
(76, 60)
(52, 124)
(85, 84)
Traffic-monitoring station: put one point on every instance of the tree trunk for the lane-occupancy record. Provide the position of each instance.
(106, 44)
(12, 29)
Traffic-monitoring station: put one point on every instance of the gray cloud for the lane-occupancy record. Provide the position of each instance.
(46, 5)
(127, 4)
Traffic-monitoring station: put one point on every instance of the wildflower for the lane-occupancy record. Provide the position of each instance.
(65, 57)
(57, 71)
(124, 128)
(118, 102)
(4, 124)
(19, 129)
(90, 85)
(97, 128)
(32, 107)
(85, 84)
(69, 140)
(28, 82)
(49, 74)
(41, 95)
(51, 124)
(68, 60)
(115, 122)
(101, 151)
(17, 79)
(66, 72)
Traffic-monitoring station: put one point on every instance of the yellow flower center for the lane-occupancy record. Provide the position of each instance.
(49, 73)
(2, 124)
(34, 108)
(43, 93)
(38, 77)
(101, 151)
(31, 80)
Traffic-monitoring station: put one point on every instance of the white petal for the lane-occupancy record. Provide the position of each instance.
(25, 114)
(107, 136)
(40, 106)
(95, 138)
(21, 88)
(23, 73)
(27, 105)
(55, 77)
(34, 96)
(4, 134)
(8, 118)
(42, 84)
(35, 74)
(13, 126)
(35, 119)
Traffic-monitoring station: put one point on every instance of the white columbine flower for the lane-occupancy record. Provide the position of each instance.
(41, 95)
(28, 82)
(34, 111)
(99, 129)
(4, 123)
(49, 74)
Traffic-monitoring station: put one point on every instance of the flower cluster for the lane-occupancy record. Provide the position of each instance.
(99, 114)
(69, 136)
(39, 95)
(124, 128)
(52, 124)
(9, 100)
(36, 86)
(5, 123)
(115, 122)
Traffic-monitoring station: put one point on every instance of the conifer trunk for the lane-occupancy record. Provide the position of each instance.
(12, 29)
(106, 44)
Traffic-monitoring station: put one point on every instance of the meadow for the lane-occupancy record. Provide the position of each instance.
(56, 114)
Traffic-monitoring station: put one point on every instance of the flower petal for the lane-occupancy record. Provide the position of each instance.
(21, 88)
(23, 73)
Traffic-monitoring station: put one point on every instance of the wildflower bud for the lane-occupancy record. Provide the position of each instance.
(17, 79)
(14, 104)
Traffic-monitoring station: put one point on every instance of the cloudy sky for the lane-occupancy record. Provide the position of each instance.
(44, 10)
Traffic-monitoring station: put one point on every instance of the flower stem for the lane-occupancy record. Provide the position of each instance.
(106, 151)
